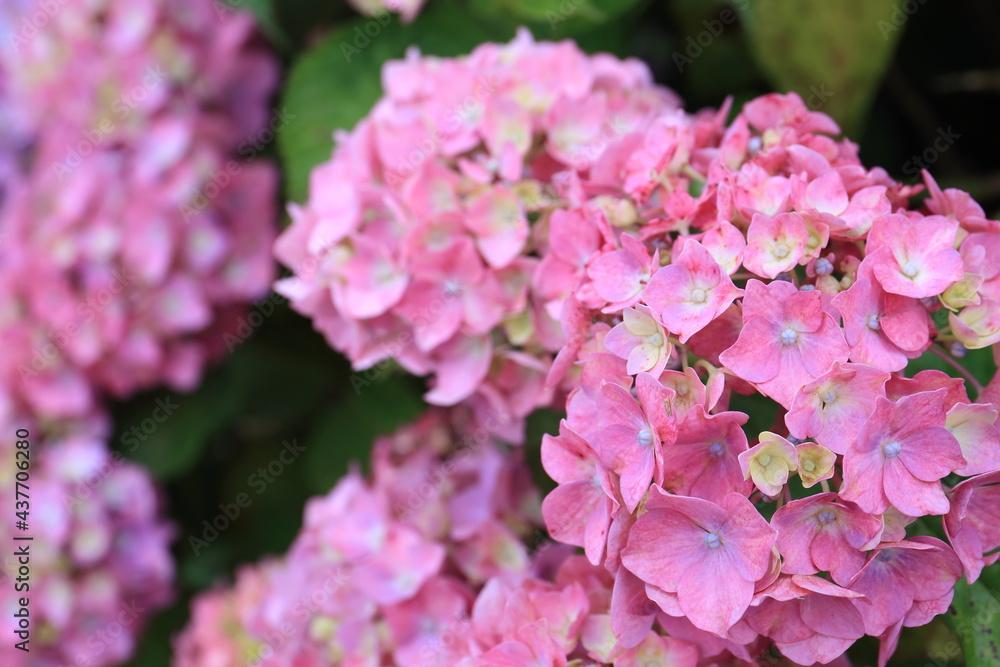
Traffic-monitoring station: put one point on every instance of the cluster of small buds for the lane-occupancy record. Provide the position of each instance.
(131, 222)
(383, 567)
(98, 564)
(422, 239)
(772, 262)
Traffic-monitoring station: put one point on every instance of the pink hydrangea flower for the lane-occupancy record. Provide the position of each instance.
(775, 245)
(833, 407)
(386, 569)
(787, 340)
(101, 549)
(972, 525)
(489, 237)
(138, 284)
(823, 533)
(914, 258)
(709, 556)
(690, 292)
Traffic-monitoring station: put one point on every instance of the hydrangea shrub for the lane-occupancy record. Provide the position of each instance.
(100, 562)
(114, 289)
(574, 237)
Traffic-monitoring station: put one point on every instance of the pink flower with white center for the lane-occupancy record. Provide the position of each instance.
(704, 460)
(909, 581)
(786, 341)
(497, 219)
(451, 289)
(691, 292)
(810, 620)
(974, 426)
(775, 245)
(901, 453)
(369, 282)
(578, 511)
(833, 407)
(629, 440)
(769, 463)
(709, 556)
(826, 198)
(884, 330)
(823, 533)
(619, 276)
(914, 258)
(641, 340)
(759, 192)
(688, 391)
(973, 524)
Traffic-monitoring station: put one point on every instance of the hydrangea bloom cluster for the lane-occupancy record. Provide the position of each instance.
(770, 261)
(117, 288)
(100, 561)
(424, 236)
(687, 259)
(384, 567)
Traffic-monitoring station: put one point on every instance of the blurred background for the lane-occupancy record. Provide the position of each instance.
(915, 83)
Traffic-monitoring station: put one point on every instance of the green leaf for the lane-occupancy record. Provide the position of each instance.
(562, 18)
(168, 431)
(344, 433)
(263, 11)
(338, 82)
(832, 53)
(975, 617)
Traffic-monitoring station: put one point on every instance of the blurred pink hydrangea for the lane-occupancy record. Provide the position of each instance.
(99, 561)
(132, 220)
(424, 237)
(384, 567)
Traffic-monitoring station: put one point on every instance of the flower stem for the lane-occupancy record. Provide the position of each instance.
(939, 350)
